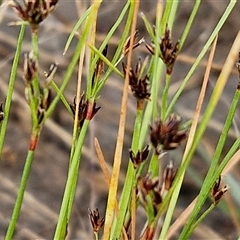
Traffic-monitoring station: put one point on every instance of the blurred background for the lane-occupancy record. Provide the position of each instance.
(47, 179)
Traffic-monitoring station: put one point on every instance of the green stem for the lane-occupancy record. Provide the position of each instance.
(207, 185)
(154, 165)
(33, 104)
(189, 23)
(213, 170)
(202, 127)
(129, 180)
(35, 81)
(200, 219)
(11, 86)
(70, 69)
(19, 200)
(117, 56)
(165, 97)
(166, 15)
(96, 235)
(64, 101)
(155, 68)
(200, 56)
(70, 185)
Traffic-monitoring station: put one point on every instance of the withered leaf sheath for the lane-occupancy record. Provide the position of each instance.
(136, 43)
(30, 68)
(139, 157)
(83, 109)
(45, 100)
(50, 74)
(33, 11)
(168, 50)
(218, 192)
(167, 134)
(168, 176)
(1, 112)
(139, 85)
(96, 222)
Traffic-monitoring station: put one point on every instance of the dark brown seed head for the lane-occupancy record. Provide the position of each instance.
(168, 50)
(168, 176)
(99, 69)
(145, 186)
(50, 74)
(33, 11)
(83, 108)
(139, 157)
(149, 191)
(136, 43)
(139, 85)
(167, 134)
(96, 222)
(30, 68)
(218, 192)
(45, 100)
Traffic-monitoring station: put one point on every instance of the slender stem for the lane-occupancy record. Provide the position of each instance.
(69, 71)
(156, 68)
(64, 101)
(212, 103)
(165, 97)
(11, 86)
(154, 165)
(117, 56)
(96, 235)
(130, 176)
(191, 137)
(200, 219)
(201, 55)
(189, 23)
(35, 81)
(19, 200)
(120, 139)
(70, 185)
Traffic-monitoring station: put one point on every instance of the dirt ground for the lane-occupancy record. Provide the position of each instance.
(47, 179)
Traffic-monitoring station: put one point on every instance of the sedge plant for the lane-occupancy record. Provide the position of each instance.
(158, 129)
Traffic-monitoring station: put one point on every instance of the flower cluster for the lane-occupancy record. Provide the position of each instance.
(96, 222)
(99, 67)
(83, 109)
(168, 51)
(167, 134)
(149, 191)
(136, 43)
(139, 157)
(30, 68)
(152, 191)
(34, 11)
(218, 192)
(139, 85)
(42, 95)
